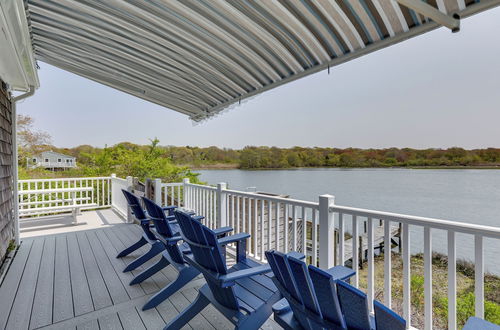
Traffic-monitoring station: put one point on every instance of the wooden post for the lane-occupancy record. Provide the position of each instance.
(157, 194)
(130, 187)
(149, 189)
(326, 232)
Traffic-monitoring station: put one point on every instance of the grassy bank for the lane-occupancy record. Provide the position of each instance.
(465, 290)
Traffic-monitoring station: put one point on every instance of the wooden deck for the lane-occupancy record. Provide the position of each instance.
(71, 280)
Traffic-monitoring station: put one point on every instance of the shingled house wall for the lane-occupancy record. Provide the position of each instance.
(6, 172)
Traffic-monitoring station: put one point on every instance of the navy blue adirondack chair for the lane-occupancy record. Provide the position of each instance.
(306, 306)
(147, 237)
(474, 323)
(354, 304)
(167, 232)
(244, 293)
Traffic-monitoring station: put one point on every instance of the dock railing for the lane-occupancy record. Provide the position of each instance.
(327, 233)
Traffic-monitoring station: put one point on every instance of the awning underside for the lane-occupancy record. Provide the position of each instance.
(198, 57)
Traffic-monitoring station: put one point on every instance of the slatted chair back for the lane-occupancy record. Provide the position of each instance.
(354, 305)
(326, 293)
(163, 227)
(209, 255)
(386, 319)
(288, 287)
(136, 208)
(135, 205)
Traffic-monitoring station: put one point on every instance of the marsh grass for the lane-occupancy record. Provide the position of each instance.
(465, 289)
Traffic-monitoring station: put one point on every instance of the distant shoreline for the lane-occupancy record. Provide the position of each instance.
(237, 167)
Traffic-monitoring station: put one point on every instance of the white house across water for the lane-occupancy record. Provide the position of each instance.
(51, 160)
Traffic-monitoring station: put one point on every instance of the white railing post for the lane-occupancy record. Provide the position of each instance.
(186, 195)
(326, 232)
(113, 194)
(158, 192)
(221, 205)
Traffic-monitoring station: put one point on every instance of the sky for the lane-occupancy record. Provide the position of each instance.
(437, 90)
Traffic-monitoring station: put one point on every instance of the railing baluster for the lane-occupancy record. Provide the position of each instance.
(387, 264)
(355, 250)
(261, 229)
(294, 228)
(238, 199)
(406, 275)
(428, 277)
(269, 224)
(254, 232)
(243, 216)
(314, 233)
(371, 265)
(452, 281)
(304, 231)
(341, 256)
(277, 230)
(285, 240)
(479, 275)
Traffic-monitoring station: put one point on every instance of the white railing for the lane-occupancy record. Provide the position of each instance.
(410, 227)
(49, 196)
(278, 223)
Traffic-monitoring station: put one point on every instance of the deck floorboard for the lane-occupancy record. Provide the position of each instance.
(73, 280)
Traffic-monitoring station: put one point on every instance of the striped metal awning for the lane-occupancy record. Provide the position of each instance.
(198, 57)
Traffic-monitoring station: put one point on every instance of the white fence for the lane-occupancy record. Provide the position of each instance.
(49, 196)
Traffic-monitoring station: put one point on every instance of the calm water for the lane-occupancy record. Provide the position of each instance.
(470, 196)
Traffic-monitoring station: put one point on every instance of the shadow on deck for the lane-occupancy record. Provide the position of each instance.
(67, 277)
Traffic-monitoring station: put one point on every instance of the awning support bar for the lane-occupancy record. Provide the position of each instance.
(423, 8)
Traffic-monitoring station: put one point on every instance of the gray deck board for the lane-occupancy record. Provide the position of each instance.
(82, 300)
(25, 293)
(11, 281)
(130, 319)
(98, 290)
(118, 265)
(73, 280)
(113, 283)
(109, 322)
(63, 297)
(41, 313)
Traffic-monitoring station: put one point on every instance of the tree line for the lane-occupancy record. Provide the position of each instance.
(145, 158)
(172, 163)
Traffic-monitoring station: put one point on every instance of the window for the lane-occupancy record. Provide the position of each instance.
(59, 160)
(34, 160)
(46, 160)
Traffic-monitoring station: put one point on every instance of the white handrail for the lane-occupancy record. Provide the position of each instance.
(466, 228)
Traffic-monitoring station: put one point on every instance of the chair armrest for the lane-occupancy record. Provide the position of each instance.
(340, 273)
(198, 217)
(173, 239)
(170, 218)
(169, 207)
(222, 231)
(282, 306)
(233, 238)
(296, 255)
(230, 279)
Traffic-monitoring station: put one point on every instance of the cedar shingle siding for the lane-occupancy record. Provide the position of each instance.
(6, 183)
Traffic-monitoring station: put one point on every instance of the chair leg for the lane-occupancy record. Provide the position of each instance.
(162, 263)
(156, 248)
(191, 311)
(185, 276)
(132, 247)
